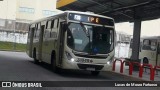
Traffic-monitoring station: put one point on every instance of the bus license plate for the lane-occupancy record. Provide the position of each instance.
(85, 60)
(91, 69)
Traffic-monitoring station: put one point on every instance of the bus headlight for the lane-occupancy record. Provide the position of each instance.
(108, 62)
(72, 59)
(69, 57)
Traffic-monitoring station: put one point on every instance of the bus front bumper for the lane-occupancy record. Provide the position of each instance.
(86, 66)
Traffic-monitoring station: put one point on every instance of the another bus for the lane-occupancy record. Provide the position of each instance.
(73, 40)
(149, 50)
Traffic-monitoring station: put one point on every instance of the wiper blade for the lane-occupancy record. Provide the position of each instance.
(84, 29)
(87, 34)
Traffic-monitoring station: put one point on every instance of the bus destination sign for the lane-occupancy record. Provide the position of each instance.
(90, 19)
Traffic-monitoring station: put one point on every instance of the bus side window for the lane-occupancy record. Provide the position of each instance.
(146, 44)
(48, 29)
(55, 23)
(35, 31)
(54, 29)
(153, 45)
(38, 30)
(29, 32)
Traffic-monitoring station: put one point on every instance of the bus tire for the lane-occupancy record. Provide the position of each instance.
(95, 73)
(145, 60)
(53, 62)
(34, 56)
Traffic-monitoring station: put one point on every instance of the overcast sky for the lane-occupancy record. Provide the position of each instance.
(148, 28)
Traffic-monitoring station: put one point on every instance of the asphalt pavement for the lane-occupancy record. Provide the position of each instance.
(17, 66)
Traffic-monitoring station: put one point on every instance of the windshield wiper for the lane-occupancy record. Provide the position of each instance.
(84, 30)
(88, 35)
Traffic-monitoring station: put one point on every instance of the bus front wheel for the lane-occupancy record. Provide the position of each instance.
(95, 73)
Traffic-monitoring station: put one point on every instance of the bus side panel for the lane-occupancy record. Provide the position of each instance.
(49, 42)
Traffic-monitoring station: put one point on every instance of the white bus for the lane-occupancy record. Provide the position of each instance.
(149, 50)
(73, 40)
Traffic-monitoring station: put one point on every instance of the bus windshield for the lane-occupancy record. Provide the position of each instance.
(90, 39)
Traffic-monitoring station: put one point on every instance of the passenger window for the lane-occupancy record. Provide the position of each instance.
(153, 45)
(55, 23)
(146, 45)
(38, 30)
(49, 25)
(149, 45)
(52, 24)
(54, 29)
(48, 29)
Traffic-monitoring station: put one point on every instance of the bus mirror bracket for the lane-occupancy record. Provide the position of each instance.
(64, 25)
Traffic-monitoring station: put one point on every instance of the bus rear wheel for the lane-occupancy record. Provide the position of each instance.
(145, 60)
(95, 73)
(34, 56)
(53, 62)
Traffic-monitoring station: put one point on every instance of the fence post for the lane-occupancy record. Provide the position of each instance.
(152, 73)
(114, 63)
(140, 70)
(121, 67)
(130, 68)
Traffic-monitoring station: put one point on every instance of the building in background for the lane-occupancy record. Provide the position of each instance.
(123, 37)
(15, 16)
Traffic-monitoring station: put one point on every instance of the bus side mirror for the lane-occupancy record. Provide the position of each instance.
(64, 25)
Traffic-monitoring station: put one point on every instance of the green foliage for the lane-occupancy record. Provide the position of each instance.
(11, 46)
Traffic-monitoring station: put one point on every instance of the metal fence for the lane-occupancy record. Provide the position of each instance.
(13, 35)
(13, 41)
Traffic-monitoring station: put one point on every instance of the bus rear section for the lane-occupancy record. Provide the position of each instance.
(149, 52)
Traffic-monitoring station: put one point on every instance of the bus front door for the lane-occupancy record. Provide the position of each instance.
(61, 42)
